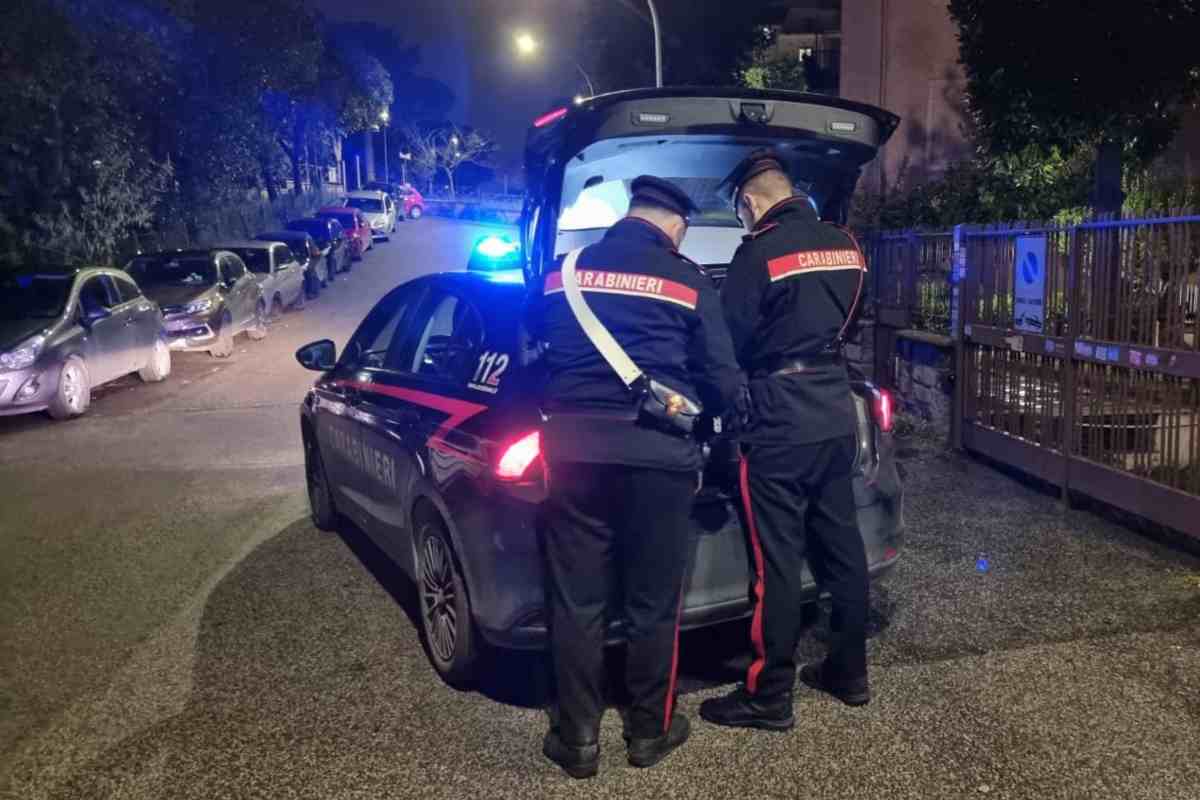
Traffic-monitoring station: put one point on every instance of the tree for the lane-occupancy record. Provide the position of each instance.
(77, 175)
(1073, 74)
(764, 68)
(445, 149)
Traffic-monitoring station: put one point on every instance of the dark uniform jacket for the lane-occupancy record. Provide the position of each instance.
(666, 314)
(791, 286)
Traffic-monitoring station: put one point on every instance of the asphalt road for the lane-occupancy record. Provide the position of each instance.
(173, 626)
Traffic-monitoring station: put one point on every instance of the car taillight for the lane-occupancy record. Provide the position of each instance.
(518, 457)
(885, 410)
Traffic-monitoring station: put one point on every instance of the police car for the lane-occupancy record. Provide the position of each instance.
(423, 430)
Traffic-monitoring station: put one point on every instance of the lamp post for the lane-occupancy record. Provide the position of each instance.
(385, 116)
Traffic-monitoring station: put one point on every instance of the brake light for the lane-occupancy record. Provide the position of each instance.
(553, 116)
(518, 456)
(885, 410)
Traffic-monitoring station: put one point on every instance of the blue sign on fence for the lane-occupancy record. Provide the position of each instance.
(1029, 284)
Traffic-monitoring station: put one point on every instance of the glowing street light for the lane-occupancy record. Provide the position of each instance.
(385, 116)
(526, 44)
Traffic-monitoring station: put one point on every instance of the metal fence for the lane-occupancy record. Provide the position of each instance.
(909, 290)
(1101, 395)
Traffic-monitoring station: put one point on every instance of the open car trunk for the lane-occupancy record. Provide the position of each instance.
(580, 163)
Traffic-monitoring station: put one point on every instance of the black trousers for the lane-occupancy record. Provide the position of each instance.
(800, 502)
(622, 533)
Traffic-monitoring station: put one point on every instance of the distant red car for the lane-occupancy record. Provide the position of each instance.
(358, 230)
(412, 204)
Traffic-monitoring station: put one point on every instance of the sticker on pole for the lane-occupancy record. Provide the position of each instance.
(1029, 284)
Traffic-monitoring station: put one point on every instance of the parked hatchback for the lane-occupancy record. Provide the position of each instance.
(330, 238)
(279, 275)
(62, 333)
(411, 203)
(379, 209)
(307, 254)
(358, 231)
(207, 298)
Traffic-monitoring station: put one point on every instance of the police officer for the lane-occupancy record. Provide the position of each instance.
(621, 488)
(792, 288)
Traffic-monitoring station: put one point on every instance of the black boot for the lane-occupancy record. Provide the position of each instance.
(578, 761)
(648, 752)
(740, 709)
(854, 692)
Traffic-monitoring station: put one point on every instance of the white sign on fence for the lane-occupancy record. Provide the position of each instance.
(1029, 284)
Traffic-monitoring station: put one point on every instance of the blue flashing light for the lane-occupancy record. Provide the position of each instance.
(496, 247)
(982, 564)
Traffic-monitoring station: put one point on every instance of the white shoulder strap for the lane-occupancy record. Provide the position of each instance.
(612, 352)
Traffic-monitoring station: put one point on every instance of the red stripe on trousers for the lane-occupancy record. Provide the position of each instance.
(756, 626)
(670, 704)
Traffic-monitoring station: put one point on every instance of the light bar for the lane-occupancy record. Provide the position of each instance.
(495, 247)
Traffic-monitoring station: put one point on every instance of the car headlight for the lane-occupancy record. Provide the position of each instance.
(378, 223)
(24, 355)
(198, 306)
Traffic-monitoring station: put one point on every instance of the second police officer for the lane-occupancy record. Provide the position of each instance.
(621, 485)
(791, 292)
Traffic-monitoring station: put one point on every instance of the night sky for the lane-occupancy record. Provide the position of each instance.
(468, 45)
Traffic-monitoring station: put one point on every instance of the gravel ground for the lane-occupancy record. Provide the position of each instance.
(1019, 651)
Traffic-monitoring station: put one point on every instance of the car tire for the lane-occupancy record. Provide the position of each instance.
(276, 309)
(415, 212)
(159, 366)
(73, 394)
(447, 625)
(321, 506)
(258, 331)
(224, 346)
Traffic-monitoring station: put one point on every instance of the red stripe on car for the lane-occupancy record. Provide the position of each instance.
(459, 411)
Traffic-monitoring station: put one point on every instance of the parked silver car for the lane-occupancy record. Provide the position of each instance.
(62, 333)
(378, 208)
(207, 297)
(277, 271)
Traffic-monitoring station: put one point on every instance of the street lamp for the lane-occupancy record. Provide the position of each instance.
(527, 45)
(385, 116)
(404, 159)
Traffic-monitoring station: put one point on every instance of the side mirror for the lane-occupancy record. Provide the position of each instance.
(94, 315)
(320, 356)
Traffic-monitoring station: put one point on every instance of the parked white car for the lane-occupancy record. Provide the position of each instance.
(277, 271)
(378, 207)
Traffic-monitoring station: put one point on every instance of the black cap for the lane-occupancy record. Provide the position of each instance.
(762, 160)
(663, 194)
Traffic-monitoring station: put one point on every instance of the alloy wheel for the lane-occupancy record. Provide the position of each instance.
(438, 596)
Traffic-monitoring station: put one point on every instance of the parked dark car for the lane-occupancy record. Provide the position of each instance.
(424, 431)
(207, 298)
(308, 255)
(62, 333)
(354, 223)
(330, 238)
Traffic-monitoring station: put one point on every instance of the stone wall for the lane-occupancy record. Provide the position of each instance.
(924, 366)
(859, 349)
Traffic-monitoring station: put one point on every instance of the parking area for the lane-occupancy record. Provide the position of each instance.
(192, 635)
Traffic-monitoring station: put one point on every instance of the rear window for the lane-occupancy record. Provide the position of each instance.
(602, 204)
(365, 204)
(255, 259)
(150, 271)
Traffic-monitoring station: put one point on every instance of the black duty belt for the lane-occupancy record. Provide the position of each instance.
(797, 366)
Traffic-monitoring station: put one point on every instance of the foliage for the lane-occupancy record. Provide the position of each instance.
(69, 165)
(764, 68)
(1072, 74)
(984, 189)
